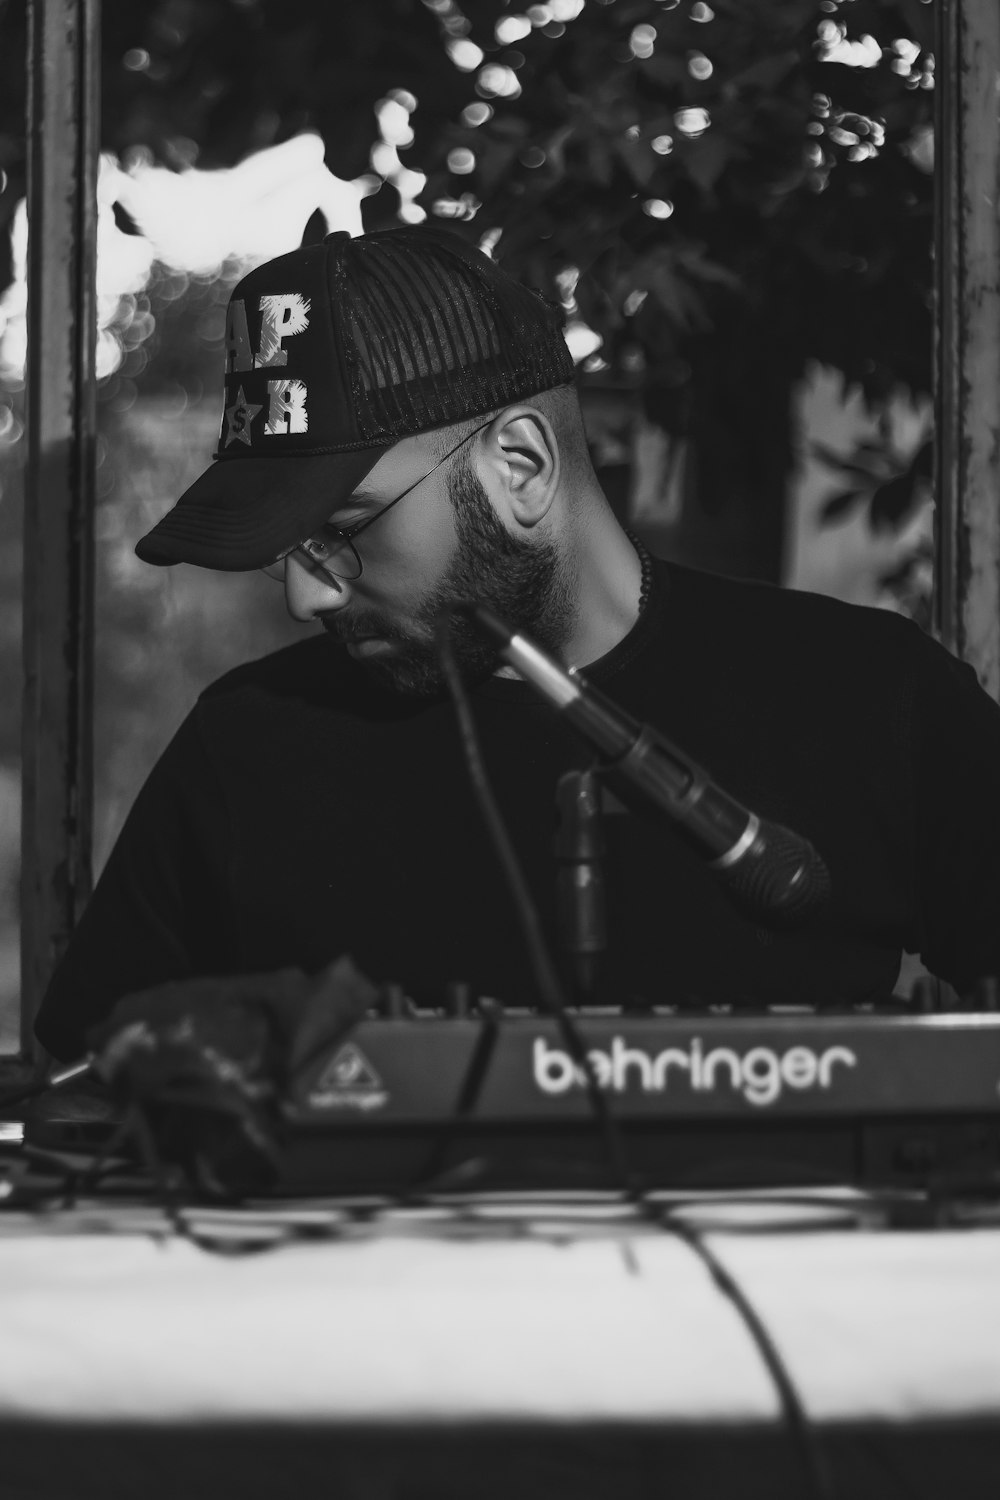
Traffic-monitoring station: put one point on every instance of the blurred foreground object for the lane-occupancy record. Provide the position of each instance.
(207, 1061)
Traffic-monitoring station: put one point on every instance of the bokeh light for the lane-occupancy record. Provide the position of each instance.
(191, 223)
(497, 81)
(464, 54)
(642, 41)
(692, 122)
(510, 29)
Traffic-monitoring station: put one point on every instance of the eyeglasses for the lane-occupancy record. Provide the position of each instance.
(332, 549)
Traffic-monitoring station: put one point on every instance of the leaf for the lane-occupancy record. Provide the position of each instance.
(668, 69)
(870, 473)
(640, 160)
(838, 505)
(693, 260)
(675, 295)
(919, 20)
(706, 159)
(124, 221)
(765, 73)
(893, 503)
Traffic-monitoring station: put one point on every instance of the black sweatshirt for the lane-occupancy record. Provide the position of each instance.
(302, 811)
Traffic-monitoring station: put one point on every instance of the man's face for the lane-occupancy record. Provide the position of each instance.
(446, 545)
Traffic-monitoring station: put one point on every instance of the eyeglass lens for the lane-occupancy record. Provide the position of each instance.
(336, 555)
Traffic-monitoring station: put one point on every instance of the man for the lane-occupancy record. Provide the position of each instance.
(400, 434)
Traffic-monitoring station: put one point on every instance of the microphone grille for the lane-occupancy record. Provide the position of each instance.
(781, 881)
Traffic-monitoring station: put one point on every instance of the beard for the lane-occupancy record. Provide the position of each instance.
(520, 581)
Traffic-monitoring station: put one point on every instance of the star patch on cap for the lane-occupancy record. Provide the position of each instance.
(238, 419)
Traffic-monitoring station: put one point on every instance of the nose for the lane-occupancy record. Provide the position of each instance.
(309, 592)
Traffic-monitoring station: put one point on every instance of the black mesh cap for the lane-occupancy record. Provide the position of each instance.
(334, 353)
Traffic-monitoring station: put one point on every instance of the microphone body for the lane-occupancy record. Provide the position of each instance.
(774, 875)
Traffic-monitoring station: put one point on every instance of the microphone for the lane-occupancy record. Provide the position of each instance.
(772, 874)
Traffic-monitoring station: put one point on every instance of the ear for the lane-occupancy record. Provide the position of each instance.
(520, 455)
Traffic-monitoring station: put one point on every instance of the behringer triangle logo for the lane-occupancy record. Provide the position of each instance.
(348, 1079)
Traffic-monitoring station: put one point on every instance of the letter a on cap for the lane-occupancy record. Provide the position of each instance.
(238, 352)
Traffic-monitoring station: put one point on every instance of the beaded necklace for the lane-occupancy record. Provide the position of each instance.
(646, 563)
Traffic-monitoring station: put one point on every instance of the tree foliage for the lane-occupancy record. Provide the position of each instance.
(721, 260)
(800, 207)
(736, 190)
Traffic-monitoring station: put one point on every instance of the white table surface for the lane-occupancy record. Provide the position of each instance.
(539, 1318)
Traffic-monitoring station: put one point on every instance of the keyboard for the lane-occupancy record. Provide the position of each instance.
(893, 1099)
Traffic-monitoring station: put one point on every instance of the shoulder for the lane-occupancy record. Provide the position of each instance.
(314, 670)
(750, 616)
(303, 689)
(785, 651)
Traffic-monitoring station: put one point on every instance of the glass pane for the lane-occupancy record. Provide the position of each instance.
(11, 511)
(162, 633)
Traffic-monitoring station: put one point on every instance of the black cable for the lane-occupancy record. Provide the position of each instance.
(91, 1178)
(20, 1096)
(801, 1428)
(168, 1199)
(468, 1097)
(543, 969)
(54, 1080)
(549, 990)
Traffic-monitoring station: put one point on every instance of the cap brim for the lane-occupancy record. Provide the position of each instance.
(243, 513)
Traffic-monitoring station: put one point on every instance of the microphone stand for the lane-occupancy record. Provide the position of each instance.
(581, 914)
